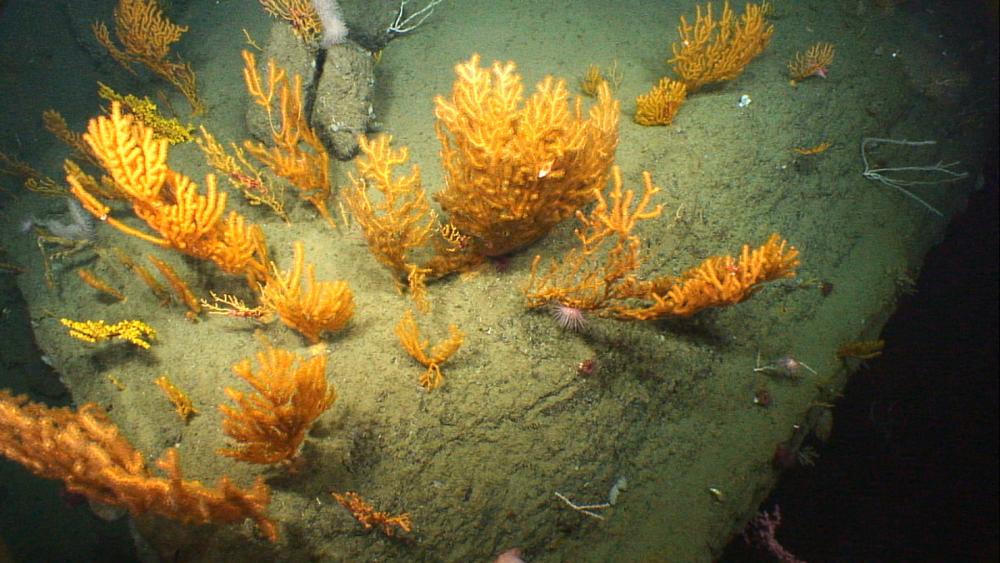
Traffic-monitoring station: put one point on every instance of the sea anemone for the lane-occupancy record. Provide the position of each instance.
(568, 317)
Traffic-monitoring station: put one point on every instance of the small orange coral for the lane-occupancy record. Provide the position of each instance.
(660, 105)
(813, 63)
(369, 517)
(323, 306)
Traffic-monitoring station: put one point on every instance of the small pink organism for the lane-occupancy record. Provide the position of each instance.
(568, 317)
(785, 366)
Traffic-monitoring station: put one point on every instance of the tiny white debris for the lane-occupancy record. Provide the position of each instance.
(744, 101)
(620, 485)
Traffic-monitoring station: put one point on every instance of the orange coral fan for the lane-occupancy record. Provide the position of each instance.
(660, 105)
(308, 170)
(369, 517)
(515, 168)
(400, 221)
(270, 425)
(432, 359)
(585, 279)
(179, 286)
(322, 307)
(179, 399)
(813, 63)
(720, 280)
(184, 219)
(300, 14)
(610, 288)
(717, 50)
(91, 279)
(85, 451)
(147, 36)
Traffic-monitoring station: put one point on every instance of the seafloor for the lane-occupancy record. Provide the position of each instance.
(477, 463)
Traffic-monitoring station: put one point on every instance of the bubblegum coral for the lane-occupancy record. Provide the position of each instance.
(760, 532)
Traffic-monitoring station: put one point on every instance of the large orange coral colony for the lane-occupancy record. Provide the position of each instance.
(514, 168)
(147, 36)
(716, 50)
(84, 450)
(166, 200)
(270, 425)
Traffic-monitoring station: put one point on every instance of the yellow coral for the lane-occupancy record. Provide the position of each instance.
(146, 111)
(135, 332)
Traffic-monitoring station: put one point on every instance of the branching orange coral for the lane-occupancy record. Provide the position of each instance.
(432, 358)
(400, 221)
(719, 281)
(323, 306)
(717, 50)
(514, 168)
(300, 14)
(612, 289)
(308, 170)
(147, 35)
(166, 200)
(85, 450)
(814, 62)
(369, 517)
(660, 105)
(586, 279)
(290, 394)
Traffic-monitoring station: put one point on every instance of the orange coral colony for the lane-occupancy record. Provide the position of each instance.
(85, 450)
(713, 50)
(168, 201)
(515, 168)
(270, 425)
(660, 105)
(815, 62)
(323, 306)
(147, 35)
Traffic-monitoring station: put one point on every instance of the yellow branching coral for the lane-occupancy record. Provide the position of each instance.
(815, 62)
(717, 50)
(660, 105)
(134, 332)
(147, 35)
(398, 222)
(430, 357)
(298, 154)
(514, 168)
(607, 284)
(85, 450)
(323, 306)
(169, 202)
(270, 424)
(146, 111)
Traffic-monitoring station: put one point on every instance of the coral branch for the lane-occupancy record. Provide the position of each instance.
(84, 450)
